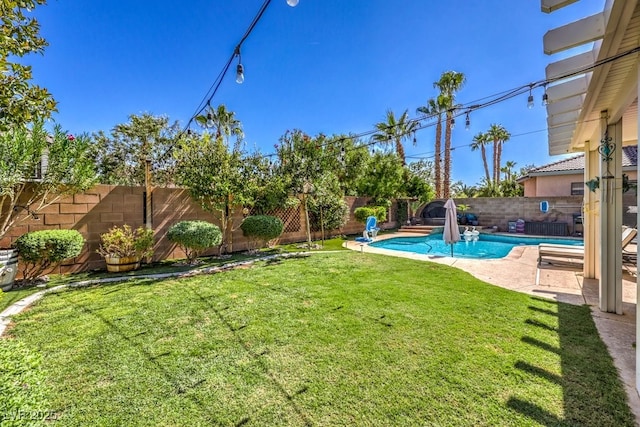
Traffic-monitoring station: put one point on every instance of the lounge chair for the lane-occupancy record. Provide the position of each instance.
(553, 253)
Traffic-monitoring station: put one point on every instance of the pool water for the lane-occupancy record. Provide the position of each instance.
(488, 246)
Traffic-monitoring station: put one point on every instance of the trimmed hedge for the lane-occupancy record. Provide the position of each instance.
(195, 237)
(361, 214)
(261, 228)
(46, 249)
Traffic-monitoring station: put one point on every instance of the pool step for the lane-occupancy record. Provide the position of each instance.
(425, 229)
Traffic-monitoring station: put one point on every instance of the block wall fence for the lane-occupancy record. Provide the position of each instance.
(499, 211)
(104, 206)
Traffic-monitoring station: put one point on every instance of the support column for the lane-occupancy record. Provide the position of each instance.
(590, 214)
(638, 276)
(611, 217)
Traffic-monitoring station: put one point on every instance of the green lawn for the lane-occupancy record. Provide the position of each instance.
(168, 266)
(331, 339)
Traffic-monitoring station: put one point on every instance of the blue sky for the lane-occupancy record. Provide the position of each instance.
(330, 66)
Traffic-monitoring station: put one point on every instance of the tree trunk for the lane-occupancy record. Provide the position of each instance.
(400, 152)
(437, 160)
(499, 160)
(484, 162)
(446, 184)
(496, 169)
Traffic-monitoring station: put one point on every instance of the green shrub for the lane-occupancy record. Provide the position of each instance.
(125, 242)
(402, 207)
(261, 228)
(24, 397)
(361, 214)
(195, 237)
(46, 249)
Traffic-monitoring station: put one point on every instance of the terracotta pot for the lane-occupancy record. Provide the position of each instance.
(8, 268)
(117, 264)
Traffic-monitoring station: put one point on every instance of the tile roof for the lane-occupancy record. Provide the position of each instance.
(576, 163)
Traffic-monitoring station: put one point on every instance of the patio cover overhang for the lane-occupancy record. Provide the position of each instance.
(575, 103)
(593, 95)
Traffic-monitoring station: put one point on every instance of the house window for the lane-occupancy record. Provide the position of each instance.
(577, 188)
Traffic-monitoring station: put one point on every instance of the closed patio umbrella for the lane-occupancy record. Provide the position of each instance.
(451, 233)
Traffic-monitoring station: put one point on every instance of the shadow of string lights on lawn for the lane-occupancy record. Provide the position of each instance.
(255, 356)
(589, 395)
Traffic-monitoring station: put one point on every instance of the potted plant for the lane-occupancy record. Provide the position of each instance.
(123, 248)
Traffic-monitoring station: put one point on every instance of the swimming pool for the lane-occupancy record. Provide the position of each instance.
(488, 246)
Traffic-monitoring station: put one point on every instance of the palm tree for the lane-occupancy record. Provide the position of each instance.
(224, 122)
(499, 135)
(508, 170)
(396, 131)
(450, 82)
(435, 108)
(479, 142)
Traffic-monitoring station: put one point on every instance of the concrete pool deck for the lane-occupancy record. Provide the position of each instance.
(517, 271)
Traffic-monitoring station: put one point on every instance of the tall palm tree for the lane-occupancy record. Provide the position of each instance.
(435, 109)
(479, 142)
(450, 82)
(499, 135)
(395, 131)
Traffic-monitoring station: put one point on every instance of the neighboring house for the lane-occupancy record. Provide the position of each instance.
(566, 177)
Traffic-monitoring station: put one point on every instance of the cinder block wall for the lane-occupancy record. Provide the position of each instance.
(500, 210)
(104, 206)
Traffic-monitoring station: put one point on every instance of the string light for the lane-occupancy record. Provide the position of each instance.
(239, 68)
(240, 74)
(530, 103)
(292, 3)
(545, 97)
(467, 122)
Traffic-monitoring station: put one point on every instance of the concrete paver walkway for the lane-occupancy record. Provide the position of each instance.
(517, 271)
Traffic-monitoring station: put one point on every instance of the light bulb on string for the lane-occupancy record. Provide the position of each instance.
(240, 74)
(209, 123)
(530, 102)
(545, 97)
(292, 3)
(453, 122)
(467, 122)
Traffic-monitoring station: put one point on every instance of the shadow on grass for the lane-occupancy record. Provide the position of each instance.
(151, 358)
(593, 394)
(289, 398)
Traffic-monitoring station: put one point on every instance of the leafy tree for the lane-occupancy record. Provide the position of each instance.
(450, 82)
(306, 163)
(436, 108)
(418, 181)
(121, 156)
(21, 102)
(384, 178)
(38, 169)
(396, 131)
(327, 207)
(216, 178)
